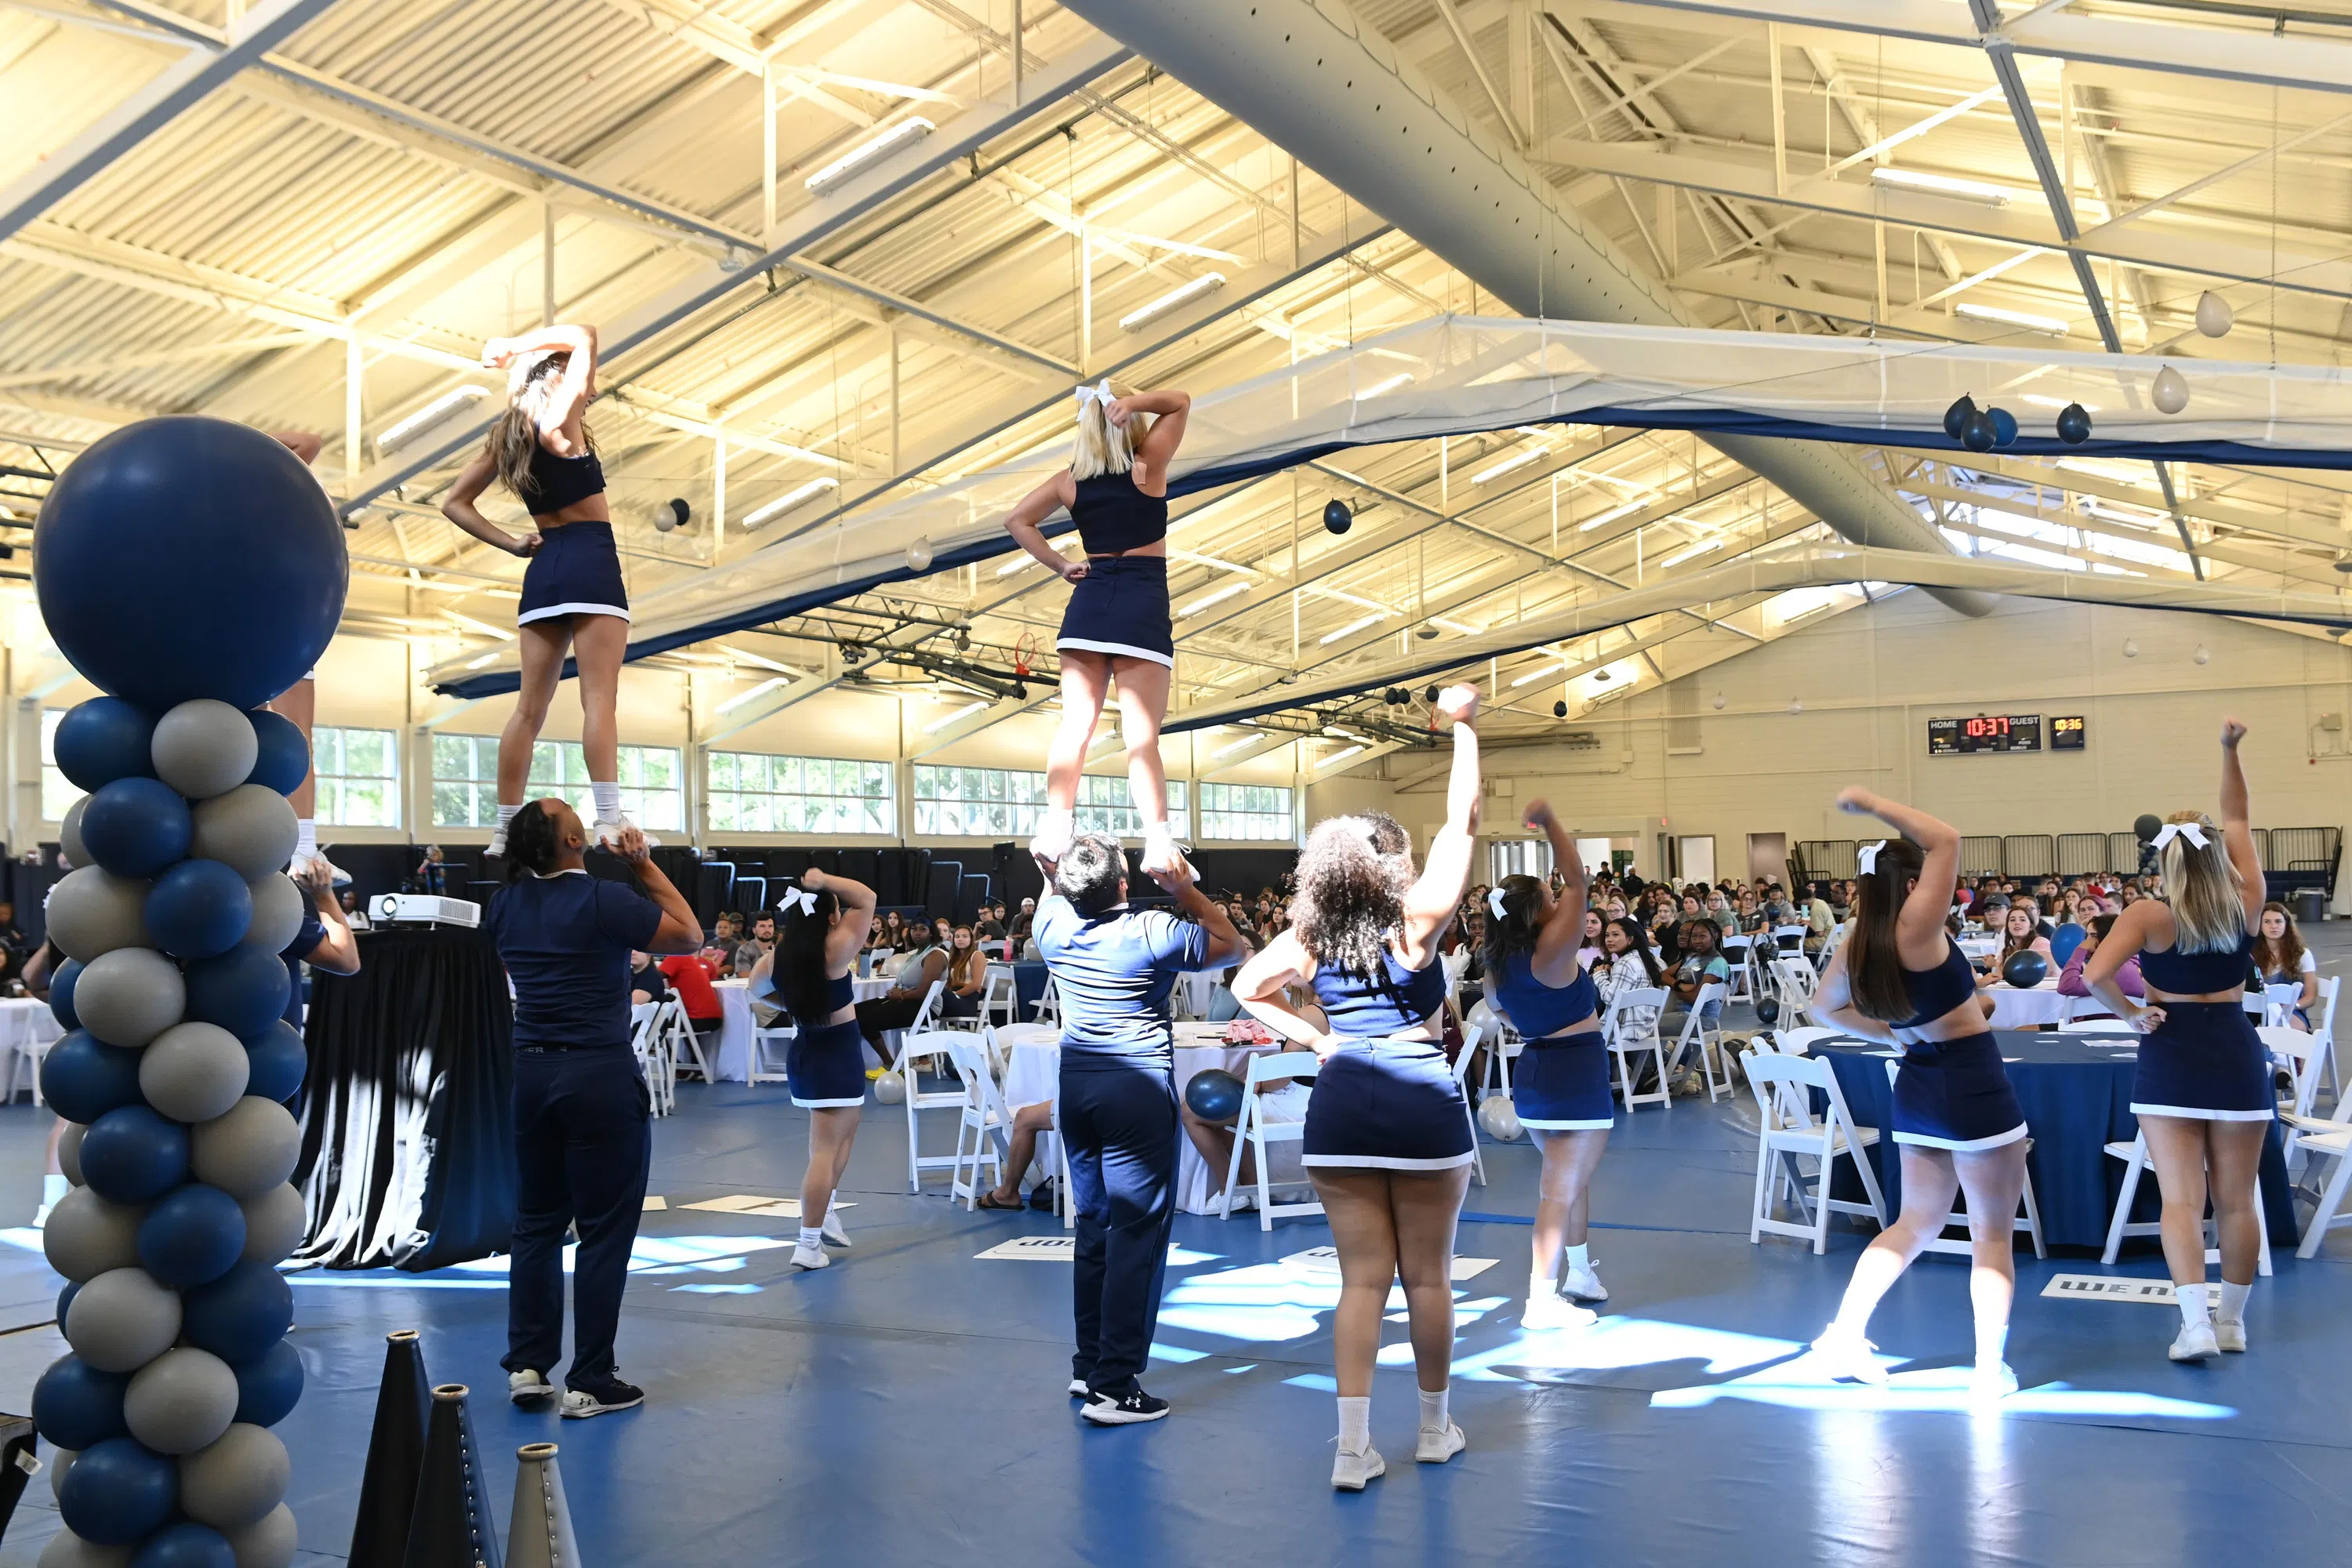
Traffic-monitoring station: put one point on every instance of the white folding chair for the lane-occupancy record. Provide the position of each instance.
(2317, 1140)
(985, 1124)
(2323, 1028)
(1255, 1132)
(1502, 1048)
(1048, 1005)
(1789, 941)
(1471, 1033)
(926, 1019)
(1783, 1087)
(1796, 981)
(2134, 1155)
(1630, 1029)
(1737, 952)
(2299, 1054)
(653, 1058)
(1706, 1036)
(2029, 1221)
(2278, 1003)
(933, 1049)
(684, 1044)
(776, 1038)
(996, 1000)
(1064, 1204)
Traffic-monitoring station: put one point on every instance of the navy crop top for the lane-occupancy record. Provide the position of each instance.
(2198, 973)
(839, 993)
(1936, 992)
(1114, 517)
(1539, 1011)
(1399, 1001)
(558, 482)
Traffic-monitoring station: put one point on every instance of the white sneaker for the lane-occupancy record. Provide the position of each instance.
(1546, 1312)
(1078, 1389)
(2230, 1337)
(1847, 1357)
(1583, 1284)
(1350, 1471)
(811, 1257)
(2196, 1342)
(1054, 831)
(1243, 1202)
(1991, 1385)
(1160, 854)
(608, 834)
(835, 1235)
(1436, 1447)
(497, 850)
(336, 876)
(526, 1387)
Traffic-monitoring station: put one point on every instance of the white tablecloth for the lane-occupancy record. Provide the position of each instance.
(734, 1063)
(26, 1027)
(2016, 1009)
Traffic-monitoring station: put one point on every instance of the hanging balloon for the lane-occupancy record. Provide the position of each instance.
(1978, 434)
(1560, 710)
(2073, 424)
(2004, 426)
(1337, 518)
(919, 555)
(2214, 316)
(1956, 417)
(2171, 391)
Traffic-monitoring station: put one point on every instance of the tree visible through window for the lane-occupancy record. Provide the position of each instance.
(358, 774)
(1252, 813)
(753, 792)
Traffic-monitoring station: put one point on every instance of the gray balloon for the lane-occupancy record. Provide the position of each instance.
(70, 1151)
(237, 1480)
(194, 1072)
(275, 1224)
(181, 1401)
(86, 1236)
(66, 1549)
(204, 748)
(128, 997)
(278, 906)
(269, 1544)
(93, 912)
(69, 834)
(123, 1320)
(60, 1461)
(251, 828)
(247, 1150)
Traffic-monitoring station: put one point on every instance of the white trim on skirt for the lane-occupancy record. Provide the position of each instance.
(1387, 1161)
(544, 611)
(1961, 1145)
(2199, 1114)
(1121, 649)
(827, 1104)
(1568, 1126)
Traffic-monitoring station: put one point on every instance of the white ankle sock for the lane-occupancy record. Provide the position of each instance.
(2232, 1309)
(1540, 1284)
(2191, 1299)
(1993, 1343)
(1356, 1423)
(1432, 1409)
(1579, 1256)
(506, 814)
(306, 838)
(53, 1187)
(608, 799)
(812, 1236)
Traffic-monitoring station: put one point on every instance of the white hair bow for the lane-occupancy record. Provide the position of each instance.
(1865, 859)
(2173, 830)
(1495, 901)
(1100, 394)
(800, 896)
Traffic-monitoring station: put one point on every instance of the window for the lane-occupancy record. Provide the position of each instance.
(753, 793)
(1259, 812)
(1518, 858)
(977, 803)
(1104, 807)
(465, 782)
(57, 792)
(358, 773)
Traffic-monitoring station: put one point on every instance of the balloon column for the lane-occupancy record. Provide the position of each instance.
(193, 570)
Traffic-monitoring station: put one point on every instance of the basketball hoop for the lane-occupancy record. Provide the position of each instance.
(1024, 652)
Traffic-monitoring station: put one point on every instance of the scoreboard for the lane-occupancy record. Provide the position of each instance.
(1998, 732)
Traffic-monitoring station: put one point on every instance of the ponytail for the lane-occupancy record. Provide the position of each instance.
(1874, 966)
(532, 844)
(797, 972)
(1515, 929)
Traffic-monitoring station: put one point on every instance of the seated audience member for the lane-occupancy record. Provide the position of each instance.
(1282, 1099)
(689, 976)
(2281, 959)
(1021, 1141)
(354, 912)
(726, 937)
(2020, 932)
(922, 963)
(1626, 963)
(1023, 924)
(892, 927)
(990, 926)
(647, 982)
(1700, 965)
(2069, 979)
(432, 874)
(967, 976)
(1821, 924)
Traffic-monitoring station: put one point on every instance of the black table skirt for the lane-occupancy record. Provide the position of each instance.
(407, 1114)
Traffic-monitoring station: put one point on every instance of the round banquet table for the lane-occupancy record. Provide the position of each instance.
(29, 1028)
(2075, 1090)
(2013, 1008)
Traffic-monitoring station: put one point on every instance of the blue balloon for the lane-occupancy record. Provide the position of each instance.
(199, 523)
(276, 1062)
(199, 909)
(192, 1236)
(239, 1315)
(268, 1385)
(61, 989)
(77, 1406)
(103, 740)
(285, 759)
(186, 1544)
(245, 990)
(2004, 433)
(132, 1154)
(65, 1297)
(83, 1078)
(135, 828)
(118, 1491)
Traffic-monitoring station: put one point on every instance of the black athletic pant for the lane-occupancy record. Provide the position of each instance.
(580, 1147)
(1120, 1127)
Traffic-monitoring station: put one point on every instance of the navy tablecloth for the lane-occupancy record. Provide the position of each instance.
(2075, 1090)
(1028, 989)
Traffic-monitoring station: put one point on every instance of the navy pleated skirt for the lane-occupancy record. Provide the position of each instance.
(577, 571)
(2205, 1062)
(1562, 1086)
(825, 1066)
(1388, 1105)
(1120, 606)
(1956, 1095)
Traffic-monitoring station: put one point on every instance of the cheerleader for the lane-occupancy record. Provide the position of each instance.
(824, 924)
(1388, 1142)
(2202, 1092)
(573, 600)
(1561, 1088)
(1116, 631)
(1899, 978)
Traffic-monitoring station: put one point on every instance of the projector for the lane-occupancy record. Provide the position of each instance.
(423, 909)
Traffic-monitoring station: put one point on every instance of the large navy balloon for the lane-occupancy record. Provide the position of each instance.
(159, 548)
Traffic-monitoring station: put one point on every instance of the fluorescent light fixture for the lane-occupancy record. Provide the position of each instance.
(789, 500)
(1221, 753)
(485, 660)
(2039, 401)
(1942, 185)
(1336, 758)
(762, 690)
(1679, 556)
(1019, 563)
(1612, 515)
(1535, 674)
(1205, 600)
(936, 725)
(1351, 629)
(1382, 388)
(1207, 283)
(431, 414)
(1508, 464)
(2049, 325)
(899, 135)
